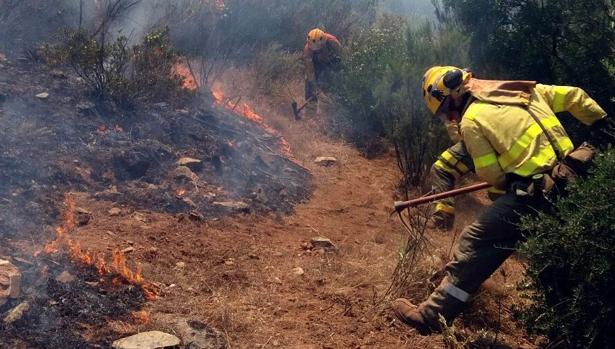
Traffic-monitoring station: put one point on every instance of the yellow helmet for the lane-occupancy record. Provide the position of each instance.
(440, 82)
(316, 39)
(316, 35)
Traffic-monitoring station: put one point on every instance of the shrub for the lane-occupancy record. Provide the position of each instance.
(153, 76)
(571, 258)
(273, 67)
(113, 70)
(101, 65)
(379, 86)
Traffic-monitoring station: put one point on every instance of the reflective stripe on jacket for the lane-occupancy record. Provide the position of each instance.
(505, 138)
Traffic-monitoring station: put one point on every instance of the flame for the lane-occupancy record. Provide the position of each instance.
(118, 268)
(246, 111)
(180, 192)
(182, 70)
(140, 317)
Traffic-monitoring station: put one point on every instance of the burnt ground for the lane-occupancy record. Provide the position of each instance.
(65, 142)
(240, 273)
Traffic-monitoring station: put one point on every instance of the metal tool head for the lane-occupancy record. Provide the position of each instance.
(295, 110)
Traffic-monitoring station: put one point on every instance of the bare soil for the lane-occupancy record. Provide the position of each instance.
(240, 275)
(251, 277)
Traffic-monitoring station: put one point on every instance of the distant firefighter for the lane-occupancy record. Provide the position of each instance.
(321, 56)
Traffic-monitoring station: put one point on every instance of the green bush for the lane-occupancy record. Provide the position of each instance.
(380, 88)
(115, 71)
(571, 258)
(101, 65)
(556, 41)
(153, 76)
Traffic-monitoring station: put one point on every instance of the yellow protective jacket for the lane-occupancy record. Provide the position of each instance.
(502, 137)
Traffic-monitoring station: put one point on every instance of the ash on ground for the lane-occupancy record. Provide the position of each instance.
(66, 142)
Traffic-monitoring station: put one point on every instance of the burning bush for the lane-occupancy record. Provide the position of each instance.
(154, 61)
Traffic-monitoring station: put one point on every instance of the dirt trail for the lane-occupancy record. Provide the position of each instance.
(240, 274)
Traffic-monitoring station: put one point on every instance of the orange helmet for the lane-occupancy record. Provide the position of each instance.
(316, 38)
(440, 82)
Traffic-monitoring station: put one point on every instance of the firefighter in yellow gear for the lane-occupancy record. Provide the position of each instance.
(510, 131)
(321, 56)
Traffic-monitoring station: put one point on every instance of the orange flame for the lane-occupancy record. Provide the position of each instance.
(246, 111)
(118, 267)
(180, 192)
(182, 70)
(140, 317)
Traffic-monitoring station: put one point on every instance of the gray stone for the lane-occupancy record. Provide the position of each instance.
(191, 163)
(233, 205)
(58, 74)
(83, 216)
(10, 281)
(183, 172)
(148, 340)
(42, 95)
(16, 313)
(324, 243)
(325, 161)
(65, 277)
(85, 106)
(197, 335)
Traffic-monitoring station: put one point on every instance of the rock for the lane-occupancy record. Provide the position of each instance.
(183, 172)
(16, 313)
(193, 164)
(298, 271)
(42, 95)
(324, 243)
(128, 249)
(58, 74)
(10, 281)
(195, 216)
(147, 340)
(65, 277)
(180, 265)
(85, 106)
(114, 211)
(197, 335)
(189, 202)
(233, 205)
(325, 161)
(83, 216)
